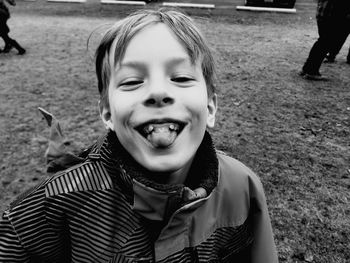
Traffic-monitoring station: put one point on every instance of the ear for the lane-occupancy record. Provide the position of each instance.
(212, 106)
(105, 115)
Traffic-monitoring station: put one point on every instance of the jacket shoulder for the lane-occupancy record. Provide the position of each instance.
(239, 178)
(235, 169)
(87, 176)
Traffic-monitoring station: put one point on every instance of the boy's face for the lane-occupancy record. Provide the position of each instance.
(159, 107)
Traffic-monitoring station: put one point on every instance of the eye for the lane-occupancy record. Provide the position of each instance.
(130, 84)
(182, 79)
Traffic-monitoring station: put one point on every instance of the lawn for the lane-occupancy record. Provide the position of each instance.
(294, 133)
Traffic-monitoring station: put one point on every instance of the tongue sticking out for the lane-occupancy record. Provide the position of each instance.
(161, 135)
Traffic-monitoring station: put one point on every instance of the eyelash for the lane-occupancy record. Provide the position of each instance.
(132, 82)
(181, 79)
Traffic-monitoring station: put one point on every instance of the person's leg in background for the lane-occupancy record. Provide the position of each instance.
(336, 47)
(11, 43)
(318, 51)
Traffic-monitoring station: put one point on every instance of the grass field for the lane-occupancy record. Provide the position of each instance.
(295, 134)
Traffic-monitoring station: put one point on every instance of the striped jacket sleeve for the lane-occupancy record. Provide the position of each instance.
(11, 249)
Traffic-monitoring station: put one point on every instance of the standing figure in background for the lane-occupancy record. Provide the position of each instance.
(4, 29)
(331, 16)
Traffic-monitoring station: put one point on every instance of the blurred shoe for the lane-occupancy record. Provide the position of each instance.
(21, 51)
(312, 76)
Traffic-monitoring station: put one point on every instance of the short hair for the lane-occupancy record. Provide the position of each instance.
(115, 41)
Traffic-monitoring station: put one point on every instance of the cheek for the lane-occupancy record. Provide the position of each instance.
(116, 108)
(199, 107)
(122, 109)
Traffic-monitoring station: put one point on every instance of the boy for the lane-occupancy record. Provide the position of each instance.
(153, 189)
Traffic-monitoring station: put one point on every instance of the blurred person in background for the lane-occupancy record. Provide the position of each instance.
(4, 29)
(331, 16)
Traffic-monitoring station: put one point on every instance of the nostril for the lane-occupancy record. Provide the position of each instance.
(167, 100)
(150, 101)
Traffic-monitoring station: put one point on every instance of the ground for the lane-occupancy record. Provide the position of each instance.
(292, 132)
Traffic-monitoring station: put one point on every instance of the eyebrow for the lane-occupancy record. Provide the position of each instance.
(173, 61)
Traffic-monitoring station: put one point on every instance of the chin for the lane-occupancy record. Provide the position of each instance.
(168, 164)
(161, 165)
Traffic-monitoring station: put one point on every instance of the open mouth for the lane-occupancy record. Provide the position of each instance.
(161, 134)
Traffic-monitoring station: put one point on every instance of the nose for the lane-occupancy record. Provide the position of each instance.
(159, 95)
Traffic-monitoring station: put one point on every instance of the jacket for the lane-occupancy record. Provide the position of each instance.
(108, 209)
(333, 10)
